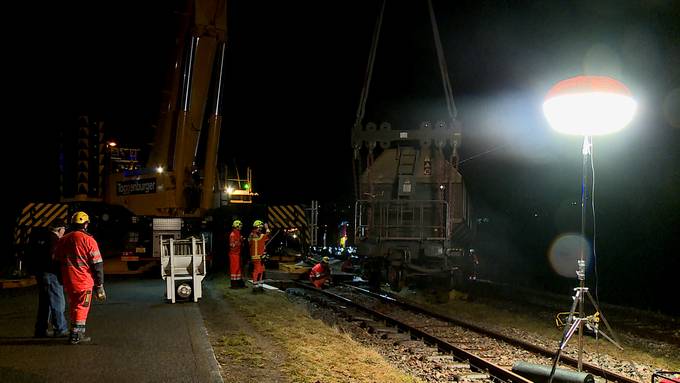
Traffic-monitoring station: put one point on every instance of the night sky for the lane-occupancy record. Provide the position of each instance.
(294, 76)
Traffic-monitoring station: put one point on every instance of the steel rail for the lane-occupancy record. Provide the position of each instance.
(588, 367)
(475, 361)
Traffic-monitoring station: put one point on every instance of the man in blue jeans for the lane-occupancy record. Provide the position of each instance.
(47, 271)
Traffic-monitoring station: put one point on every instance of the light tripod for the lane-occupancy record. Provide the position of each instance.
(577, 318)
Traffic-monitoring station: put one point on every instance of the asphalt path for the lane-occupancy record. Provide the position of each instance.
(136, 337)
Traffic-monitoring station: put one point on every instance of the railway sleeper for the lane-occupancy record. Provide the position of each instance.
(471, 376)
(389, 336)
(359, 319)
(352, 315)
(458, 366)
(382, 330)
(407, 342)
(396, 336)
(371, 324)
(424, 351)
(439, 358)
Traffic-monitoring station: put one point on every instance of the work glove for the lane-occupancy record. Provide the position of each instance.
(100, 293)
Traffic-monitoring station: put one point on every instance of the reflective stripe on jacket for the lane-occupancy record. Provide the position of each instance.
(257, 244)
(78, 253)
(235, 243)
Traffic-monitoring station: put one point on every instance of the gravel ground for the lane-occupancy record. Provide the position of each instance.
(418, 363)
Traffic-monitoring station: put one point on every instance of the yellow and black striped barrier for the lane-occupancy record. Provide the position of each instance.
(290, 217)
(37, 215)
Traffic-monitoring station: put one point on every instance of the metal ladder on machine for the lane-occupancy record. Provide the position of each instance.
(406, 171)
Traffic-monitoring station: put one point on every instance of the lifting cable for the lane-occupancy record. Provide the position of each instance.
(369, 69)
(361, 111)
(441, 59)
(446, 81)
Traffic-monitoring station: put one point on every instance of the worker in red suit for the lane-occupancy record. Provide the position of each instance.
(320, 273)
(258, 241)
(82, 271)
(235, 241)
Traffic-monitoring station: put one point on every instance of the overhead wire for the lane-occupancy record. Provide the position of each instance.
(483, 153)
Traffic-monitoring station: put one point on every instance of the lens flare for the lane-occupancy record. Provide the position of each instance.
(565, 251)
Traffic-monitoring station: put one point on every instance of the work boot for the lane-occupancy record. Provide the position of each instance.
(78, 335)
(234, 284)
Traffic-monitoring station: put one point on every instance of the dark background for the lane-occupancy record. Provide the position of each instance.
(294, 76)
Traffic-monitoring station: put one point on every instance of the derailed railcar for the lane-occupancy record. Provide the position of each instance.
(413, 218)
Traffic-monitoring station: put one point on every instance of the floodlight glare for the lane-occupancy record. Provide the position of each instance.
(589, 106)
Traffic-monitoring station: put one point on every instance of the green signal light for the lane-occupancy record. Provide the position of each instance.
(246, 186)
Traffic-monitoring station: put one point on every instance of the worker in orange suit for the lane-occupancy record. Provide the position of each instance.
(82, 271)
(320, 273)
(235, 241)
(258, 241)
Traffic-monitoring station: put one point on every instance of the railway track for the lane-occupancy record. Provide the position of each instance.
(462, 351)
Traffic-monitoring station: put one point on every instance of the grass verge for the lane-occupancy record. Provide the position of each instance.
(315, 351)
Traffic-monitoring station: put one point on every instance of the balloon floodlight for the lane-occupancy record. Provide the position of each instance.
(587, 106)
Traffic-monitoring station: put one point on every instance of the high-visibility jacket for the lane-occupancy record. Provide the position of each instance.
(235, 255)
(319, 274)
(78, 252)
(235, 243)
(257, 242)
(319, 271)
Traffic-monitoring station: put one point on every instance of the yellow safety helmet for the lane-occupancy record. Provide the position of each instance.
(80, 217)
(325, 259)
(236, 223)
(258, 223)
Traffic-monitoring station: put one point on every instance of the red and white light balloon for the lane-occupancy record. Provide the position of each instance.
(589, 106)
